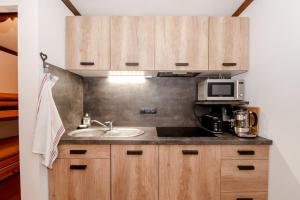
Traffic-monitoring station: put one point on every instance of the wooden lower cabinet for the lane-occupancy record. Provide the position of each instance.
(244, 175)
(160, 172)
(189, 172)
(134, 172)
(245, 196)
(80, 179)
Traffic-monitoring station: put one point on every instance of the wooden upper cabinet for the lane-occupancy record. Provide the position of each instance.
(228, 43)
(181, 43)
(88, 43)
(134, 172)
(132, 43)
(189, 172)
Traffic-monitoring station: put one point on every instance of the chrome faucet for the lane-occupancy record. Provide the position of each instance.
(108, 124)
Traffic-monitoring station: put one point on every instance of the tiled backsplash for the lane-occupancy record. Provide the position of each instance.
(68, 96)
(121, 102)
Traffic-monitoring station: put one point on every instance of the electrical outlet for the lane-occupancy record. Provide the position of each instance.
(146, 110)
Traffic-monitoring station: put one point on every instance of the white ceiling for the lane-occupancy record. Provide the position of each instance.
(157, 7)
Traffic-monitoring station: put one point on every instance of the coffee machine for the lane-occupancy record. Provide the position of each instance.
(242, 122)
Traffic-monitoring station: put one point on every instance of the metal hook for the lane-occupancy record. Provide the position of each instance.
(44, 58)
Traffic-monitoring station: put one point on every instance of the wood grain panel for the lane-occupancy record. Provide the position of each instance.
(9, 115)
(189, 177)
(8, 103)
(9, 170)
(232, 151)
(228, 43)
(132, 41)
(9, 160)
(181, 39)
(235, 180)
(243, 7)
(88, 40)
(134, 177)
(249, 195)
(8, 96)
(10, 188)
(91, 183)
(92, 151)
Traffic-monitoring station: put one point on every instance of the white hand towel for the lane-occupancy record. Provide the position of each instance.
(49, 127)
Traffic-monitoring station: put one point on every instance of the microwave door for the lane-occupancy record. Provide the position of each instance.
(221, 91)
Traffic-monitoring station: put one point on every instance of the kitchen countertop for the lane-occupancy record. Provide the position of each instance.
(150, 137)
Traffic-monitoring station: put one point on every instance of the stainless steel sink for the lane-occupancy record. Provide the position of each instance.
(89, 132)
(104, 132)
(124, 132)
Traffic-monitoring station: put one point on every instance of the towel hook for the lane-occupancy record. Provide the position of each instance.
(44, 58)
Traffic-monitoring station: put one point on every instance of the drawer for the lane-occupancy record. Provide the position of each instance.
(245, 152)
(245, 196)
(244, 175)
(84, 151)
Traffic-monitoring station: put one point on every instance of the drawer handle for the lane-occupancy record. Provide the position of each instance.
(181, 64)
(244, 198)
(87, 63)
(132, 64)
(78, 167)
(134, 152)
(78, 151)
(246, 152)
(246, 167)
(190, 152)
(229, 64)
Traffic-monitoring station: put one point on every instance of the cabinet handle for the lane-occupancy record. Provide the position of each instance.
(87, 63)
(246, 167)
(78, 167)
(134, 152)
(229, 64)
(181, 64)
(190, 152)
(244, 198)
(246, 152)
(78, 151)
(132, 64)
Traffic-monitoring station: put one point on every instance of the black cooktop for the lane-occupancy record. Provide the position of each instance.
(183, 132)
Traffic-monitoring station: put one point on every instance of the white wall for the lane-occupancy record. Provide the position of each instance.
(273, 83)
(52, 30)
(33, 175)
(9, 2)
(31, 13)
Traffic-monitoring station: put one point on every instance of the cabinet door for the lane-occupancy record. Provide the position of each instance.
(181, 43)
(244, 175)
(134, 171)
(245, 196)
(132, 43)
(80, 179)
(88, 43)
(228, 43)
(188, 172)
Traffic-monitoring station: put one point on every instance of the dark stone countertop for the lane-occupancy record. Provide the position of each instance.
(150, 137)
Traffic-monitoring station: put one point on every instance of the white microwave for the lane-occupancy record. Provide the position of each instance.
(221, 89)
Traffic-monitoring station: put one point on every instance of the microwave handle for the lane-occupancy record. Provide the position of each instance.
(239, 90)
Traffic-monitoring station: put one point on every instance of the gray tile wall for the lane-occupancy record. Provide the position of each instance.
(68, 96)
(173, 97)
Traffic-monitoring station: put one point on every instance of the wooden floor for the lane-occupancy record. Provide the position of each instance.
(10, 188)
